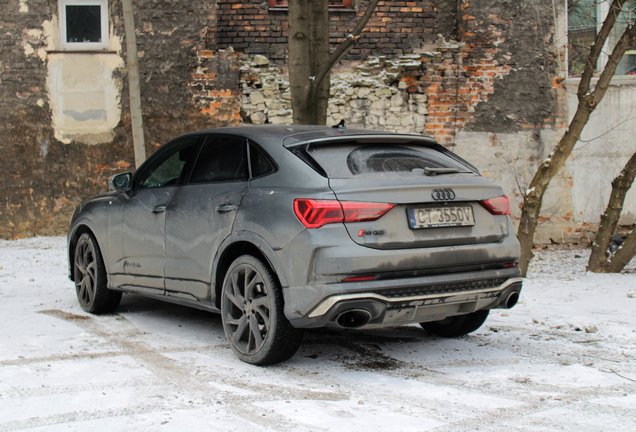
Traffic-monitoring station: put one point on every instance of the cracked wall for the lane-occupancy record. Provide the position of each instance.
(65, 117)
(484, 78)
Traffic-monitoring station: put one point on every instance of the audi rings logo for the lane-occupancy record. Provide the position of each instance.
(443, 194)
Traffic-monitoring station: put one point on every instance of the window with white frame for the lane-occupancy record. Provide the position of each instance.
(585, 19)
(84, 24)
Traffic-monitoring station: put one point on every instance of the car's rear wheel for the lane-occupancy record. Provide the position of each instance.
(455, 326)
(252, 311)
(90, 278)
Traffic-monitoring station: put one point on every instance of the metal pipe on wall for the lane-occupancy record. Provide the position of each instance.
(133, 83)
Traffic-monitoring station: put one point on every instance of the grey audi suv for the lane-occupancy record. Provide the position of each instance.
(283, 228)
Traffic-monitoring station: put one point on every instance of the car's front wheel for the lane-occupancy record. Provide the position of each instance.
(252, 311)
(90, 278)
(455, 326)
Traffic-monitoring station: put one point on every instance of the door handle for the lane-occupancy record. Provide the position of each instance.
(159, 209)
(224, 208)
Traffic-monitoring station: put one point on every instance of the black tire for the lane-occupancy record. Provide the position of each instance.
(455, 326)
(91, 282)
(252, 313)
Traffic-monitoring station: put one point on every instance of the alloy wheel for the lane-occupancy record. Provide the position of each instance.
(246, 309)
(85, 271)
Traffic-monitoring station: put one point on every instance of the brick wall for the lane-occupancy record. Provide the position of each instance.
(517, 39)
(431, 93)
(42, 179)
(215, 86)
(396, 28)
(498, 77)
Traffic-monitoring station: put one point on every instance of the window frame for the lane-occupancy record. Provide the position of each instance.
(161, 156)
(602, 9)
(210, 140)
(283, 5)
(104, 21)
(274, 167)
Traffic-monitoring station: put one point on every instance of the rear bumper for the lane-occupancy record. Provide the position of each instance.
(412, 300)
(411, 285)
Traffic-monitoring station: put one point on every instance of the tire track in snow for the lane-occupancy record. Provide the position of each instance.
(118, 331)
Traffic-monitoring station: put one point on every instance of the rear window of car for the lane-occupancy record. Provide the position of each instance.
(354, 159)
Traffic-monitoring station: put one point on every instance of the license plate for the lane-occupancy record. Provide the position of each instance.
(436, 217)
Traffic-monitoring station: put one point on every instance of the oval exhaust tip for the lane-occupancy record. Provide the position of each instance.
(354, 318)
(512, 300)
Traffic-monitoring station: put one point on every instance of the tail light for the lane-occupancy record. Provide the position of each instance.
(497, 206)
(316, 213)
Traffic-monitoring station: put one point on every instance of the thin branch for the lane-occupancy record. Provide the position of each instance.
(346, 44)
(513, 169)
(604, 133)
(624, 377)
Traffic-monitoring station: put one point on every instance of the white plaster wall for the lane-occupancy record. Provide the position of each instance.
(510, 160)
(579, 194)
(84, 96)
(607, 142)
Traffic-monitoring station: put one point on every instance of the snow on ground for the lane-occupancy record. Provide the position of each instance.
(563, 359)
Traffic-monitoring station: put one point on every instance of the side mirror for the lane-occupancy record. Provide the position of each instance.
(120, 182)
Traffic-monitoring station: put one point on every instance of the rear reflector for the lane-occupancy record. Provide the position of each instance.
(497, 206)
(508, 265)
(316, 213)
(358, 278)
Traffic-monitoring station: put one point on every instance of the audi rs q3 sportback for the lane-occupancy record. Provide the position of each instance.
(279, 229)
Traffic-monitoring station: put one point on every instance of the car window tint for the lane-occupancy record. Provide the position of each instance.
(259, 162)
(352, 159)
(221, 159)
(165, 168)
(395, 159)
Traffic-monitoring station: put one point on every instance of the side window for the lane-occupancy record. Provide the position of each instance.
(165, 169)
(259, 162)
(221, 159)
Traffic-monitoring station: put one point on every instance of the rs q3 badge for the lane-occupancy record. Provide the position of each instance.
(363, 233)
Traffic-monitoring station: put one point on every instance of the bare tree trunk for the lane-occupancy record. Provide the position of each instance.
(308, 50)
(588, 101)
(319, 55)
(309, 58)
(545, 173)
(598, 262)
(623, 255)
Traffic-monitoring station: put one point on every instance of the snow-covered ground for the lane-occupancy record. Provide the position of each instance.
(563, 359)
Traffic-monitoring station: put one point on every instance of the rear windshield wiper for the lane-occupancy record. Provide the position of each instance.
(439, 171)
